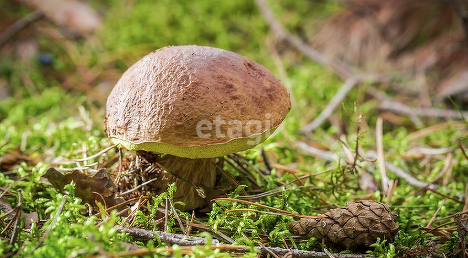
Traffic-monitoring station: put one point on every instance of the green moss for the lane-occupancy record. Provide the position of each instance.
(46, 122)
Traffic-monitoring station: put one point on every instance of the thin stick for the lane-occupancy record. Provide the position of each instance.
(400, 108)
(402, 174)
(391, 191)
(446, 196)
(57, 214)
(465, 206)
(447, 169)
(140, 203)
(139, 186)
(170, 238)
(65, 162)
(177, 217)
(332, 105)
(380, 153)
(122, 204)
(119, 175)
(51, 225)
(287, 169)
(266, 161)
(435, 128)
(268, 250)
(11, 185)
(268, 212)
(462, 150)
(189, 224)
(451, 216)
(326, 155)
(18, 216)
(7, 139)
(342, 69)
(19, 25)
(240, 248)
(435, 214)
(165, 215)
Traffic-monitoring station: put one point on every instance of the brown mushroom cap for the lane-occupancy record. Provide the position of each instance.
(159, 101)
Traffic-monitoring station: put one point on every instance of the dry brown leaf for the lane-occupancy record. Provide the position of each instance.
(91, 189)
(12, 158)
(72, 14)
(29, 218)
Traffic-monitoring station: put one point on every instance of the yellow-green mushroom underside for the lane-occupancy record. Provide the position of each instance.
(195, 152)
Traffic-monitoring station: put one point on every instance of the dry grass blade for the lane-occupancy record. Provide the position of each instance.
(177, 217)
(60, 161)
(402, 174)
(139, 186)
(434, 129)
(51, 225)
(435, 214)
(397, 107)
(462, 150)
(391, 191)
(270, 213)
(326, 155)
(122, 204)
(141, 202)
(332, 105)
(287, 169)
(447, 196)
(10, 186)
(380, 153)
(265, 207)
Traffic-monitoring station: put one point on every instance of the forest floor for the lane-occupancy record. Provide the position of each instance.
(53, 89)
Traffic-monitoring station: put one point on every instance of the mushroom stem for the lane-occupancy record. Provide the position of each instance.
(195, 179)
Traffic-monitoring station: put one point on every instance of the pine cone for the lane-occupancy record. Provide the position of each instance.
(356, 225)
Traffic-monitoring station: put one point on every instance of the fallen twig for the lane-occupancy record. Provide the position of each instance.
(370, 155)
(19, 25)
(342, 69)
(332, 105)
(380, 153)
(183, 240)
(347, 73)
(400, 108)
(326, 155)
(18, 216)
(402, 174)
(168, 238)
(61, 161)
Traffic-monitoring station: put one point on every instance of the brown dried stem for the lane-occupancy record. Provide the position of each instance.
(183, 240)
(266, 207)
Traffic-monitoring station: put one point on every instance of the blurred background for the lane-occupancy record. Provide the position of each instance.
(369, 80)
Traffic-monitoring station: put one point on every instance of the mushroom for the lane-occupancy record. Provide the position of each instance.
(192, 104)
